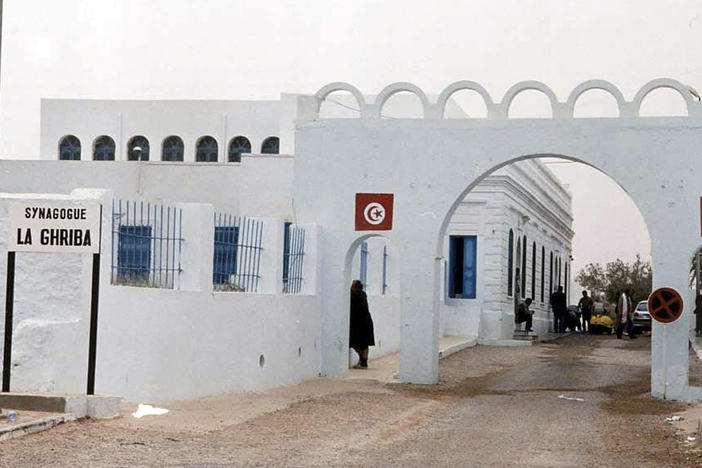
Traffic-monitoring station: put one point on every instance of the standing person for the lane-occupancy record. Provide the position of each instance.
(361, 327)
(524, 314)
(560, 309)
(585, 306)
(623, 319)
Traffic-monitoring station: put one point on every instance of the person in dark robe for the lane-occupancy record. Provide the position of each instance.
(361, 328)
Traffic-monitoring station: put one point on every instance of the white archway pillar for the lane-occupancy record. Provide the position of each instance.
(419, 352)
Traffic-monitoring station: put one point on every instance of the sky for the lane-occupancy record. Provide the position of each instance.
(228, 49)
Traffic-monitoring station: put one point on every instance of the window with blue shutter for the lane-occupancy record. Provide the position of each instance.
(463, 266)
(363, 271)
(134, 253)
(226, 240)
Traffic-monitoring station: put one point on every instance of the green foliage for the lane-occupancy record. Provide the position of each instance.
(617, 276)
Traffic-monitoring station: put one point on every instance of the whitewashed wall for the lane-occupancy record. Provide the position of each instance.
(159, 343)
(258, 186)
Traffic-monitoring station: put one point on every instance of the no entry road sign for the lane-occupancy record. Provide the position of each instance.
(665, 305)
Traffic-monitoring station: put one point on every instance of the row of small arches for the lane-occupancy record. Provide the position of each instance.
(172, 148)
(437, 110)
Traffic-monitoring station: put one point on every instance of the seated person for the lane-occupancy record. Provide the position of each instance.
(524, 314)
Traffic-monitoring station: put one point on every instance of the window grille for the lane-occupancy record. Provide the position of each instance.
(172, 149)
(385, 269)
(237, 146)
(363, 270)
(104, 149)
(207, 150)
(293, 256)
(138, 149)
(270, 145)
(237, 253)
(69, 148)
(146, 244)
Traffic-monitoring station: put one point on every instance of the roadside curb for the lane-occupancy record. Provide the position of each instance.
(37, 425)
(452, 349)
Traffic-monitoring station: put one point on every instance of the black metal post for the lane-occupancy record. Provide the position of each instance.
(92, 349)
(9, 302)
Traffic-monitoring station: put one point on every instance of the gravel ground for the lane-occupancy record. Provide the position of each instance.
(492, 407)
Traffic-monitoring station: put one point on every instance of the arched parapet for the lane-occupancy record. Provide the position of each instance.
(557, 109)
(693, 107)
(597, 84)
(395, 88)
(325, 91)
(461, 85)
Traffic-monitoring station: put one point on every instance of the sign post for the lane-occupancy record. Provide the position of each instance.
(52, 226)
(665, 306)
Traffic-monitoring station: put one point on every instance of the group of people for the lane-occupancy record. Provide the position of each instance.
(361, 333)
(580, 321)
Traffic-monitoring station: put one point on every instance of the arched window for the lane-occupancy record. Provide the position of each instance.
(270, 145)
(524, 265)
(543, 270)
(138, 149)
(69, 148)
(206, 149)
(510, 262)
(104, 149)
(237, 146)
(533, 271)
(550, 276)
(172, 149)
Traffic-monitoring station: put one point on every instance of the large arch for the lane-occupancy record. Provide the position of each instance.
(653, 159)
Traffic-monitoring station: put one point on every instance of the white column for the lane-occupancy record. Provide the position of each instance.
(198, 247)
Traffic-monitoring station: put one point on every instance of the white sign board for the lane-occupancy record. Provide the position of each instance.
(65, 226)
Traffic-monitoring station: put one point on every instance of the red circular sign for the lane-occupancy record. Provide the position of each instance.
(665, 305)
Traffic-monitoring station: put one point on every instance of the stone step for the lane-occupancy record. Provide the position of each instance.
(80, 406)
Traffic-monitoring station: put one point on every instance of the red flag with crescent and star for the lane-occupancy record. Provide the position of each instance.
(374, 211)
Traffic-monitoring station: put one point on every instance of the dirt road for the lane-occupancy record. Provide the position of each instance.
(578, 401)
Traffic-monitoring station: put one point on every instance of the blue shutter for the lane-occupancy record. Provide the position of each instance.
(364, 265)
(134, 253)
(469, 266)
(226, 239)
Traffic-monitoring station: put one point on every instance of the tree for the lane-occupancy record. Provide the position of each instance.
(617, 276)
(592, 278)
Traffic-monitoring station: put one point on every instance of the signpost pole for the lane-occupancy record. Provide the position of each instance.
(9, 302)
(92, 347)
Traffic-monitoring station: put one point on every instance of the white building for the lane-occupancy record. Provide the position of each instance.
(195, 336)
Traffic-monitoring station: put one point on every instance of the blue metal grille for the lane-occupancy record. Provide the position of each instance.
(237, 253)
(293, 256)
(363, 269)
(146, 244)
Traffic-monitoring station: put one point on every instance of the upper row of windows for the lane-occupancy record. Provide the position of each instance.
(172, 148)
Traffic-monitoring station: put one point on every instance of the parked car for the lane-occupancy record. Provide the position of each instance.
(641, 318)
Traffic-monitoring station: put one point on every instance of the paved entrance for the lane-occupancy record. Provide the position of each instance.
(493, 407)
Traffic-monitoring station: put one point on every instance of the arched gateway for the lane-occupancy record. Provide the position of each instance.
(429, 164)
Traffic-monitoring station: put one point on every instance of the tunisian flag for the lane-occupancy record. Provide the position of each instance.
(374, 211)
